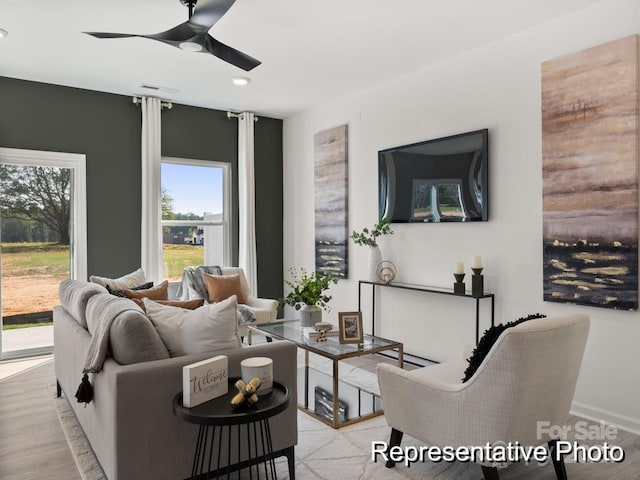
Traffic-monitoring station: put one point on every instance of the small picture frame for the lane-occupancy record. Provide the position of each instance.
(350, 327)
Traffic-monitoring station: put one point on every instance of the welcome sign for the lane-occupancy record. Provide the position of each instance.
(205, 380)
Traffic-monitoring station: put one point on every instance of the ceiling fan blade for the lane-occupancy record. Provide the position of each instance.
(230, 54)
(181, 33)
(111, 35)
(208, 12)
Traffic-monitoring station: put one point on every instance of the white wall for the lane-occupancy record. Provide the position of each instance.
(496, 86)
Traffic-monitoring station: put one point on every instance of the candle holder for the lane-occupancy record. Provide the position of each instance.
(458, 286)
(477, 282)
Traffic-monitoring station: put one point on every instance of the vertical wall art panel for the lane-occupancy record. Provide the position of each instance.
(590, 176)
(330, 153)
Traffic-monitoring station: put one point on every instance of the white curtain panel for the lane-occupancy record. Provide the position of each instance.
(151, 231)
(247, 200)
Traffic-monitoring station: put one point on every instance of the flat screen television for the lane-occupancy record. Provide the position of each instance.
(441, 180)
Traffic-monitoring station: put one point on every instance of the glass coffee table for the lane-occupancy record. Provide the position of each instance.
(333, 350)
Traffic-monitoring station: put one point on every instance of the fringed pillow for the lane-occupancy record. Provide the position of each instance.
(486, 342)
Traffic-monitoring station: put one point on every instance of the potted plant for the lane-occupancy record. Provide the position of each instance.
(369, 237)
(308, 294)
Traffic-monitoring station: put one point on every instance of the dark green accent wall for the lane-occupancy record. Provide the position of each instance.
(107, 128)
(269, 187)
(104, 127)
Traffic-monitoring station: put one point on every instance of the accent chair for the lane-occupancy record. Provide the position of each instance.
(528, 376)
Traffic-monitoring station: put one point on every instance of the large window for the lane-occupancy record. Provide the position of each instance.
(195, 214)
(43, 242)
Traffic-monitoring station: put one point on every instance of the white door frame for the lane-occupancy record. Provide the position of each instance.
(77, 164)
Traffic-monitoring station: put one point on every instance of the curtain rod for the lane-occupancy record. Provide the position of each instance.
(231, 115)
(163, 104)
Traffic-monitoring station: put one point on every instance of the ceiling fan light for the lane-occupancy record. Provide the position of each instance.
(241, 81)
(191, 46)
(3, 33)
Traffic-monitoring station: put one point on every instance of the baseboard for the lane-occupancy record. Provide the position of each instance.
(623, 422)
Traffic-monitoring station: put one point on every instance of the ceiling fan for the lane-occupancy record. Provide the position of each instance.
(193, 35)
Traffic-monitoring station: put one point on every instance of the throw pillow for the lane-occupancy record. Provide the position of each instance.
(188, 304)
(486, 342)
(221, 287)
(159, 292)
(209, 328)
(74, 296)
(132, 339)
(192, 284)
(120, 292)
(129, 280)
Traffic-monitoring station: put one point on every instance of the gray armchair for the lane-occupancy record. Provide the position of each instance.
(528, 376)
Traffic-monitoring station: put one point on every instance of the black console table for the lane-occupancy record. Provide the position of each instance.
(425, 289)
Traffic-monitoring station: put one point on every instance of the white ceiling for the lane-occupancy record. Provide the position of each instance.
(311, 50)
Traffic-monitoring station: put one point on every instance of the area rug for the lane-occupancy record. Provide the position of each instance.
(86, 461)
(322, 453)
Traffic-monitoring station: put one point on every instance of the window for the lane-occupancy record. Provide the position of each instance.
(43, 235)
(196, 215)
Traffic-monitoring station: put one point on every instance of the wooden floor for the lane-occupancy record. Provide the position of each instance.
(33, 446)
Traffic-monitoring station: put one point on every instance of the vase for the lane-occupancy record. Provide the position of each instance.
(375, 257)
(310, 315)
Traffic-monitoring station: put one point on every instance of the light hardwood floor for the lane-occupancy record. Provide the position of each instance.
(33, 446)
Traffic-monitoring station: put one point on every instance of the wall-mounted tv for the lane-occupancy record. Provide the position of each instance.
(441, 180)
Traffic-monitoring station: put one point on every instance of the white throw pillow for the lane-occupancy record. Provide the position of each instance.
(206, 329)
(130, 280)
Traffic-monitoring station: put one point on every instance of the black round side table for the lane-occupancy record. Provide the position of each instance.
(217, 416)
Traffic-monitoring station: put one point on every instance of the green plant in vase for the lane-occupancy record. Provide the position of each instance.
(308, 294)
(369, 238)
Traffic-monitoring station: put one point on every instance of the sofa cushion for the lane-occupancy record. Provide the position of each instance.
(129, 280)
(188, 304)
(120, 293)
(221, 287)
(132, 338)
(159, 292)
(207, 329)
(74, 295)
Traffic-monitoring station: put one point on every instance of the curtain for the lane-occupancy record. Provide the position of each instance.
(151, 228)
(246, 203)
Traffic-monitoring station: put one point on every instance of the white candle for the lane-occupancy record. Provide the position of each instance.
(261, 367)
(459, 267)
(476, 263)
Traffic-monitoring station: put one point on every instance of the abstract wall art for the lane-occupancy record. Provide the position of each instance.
(330, 154)
(590, 176)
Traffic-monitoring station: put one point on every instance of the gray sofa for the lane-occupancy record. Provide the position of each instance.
(130, 423)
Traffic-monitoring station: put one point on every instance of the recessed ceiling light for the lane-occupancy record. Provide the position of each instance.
(191, 46)
(241, 80)
(3, 33)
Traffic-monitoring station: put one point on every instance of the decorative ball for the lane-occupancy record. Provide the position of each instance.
(386, 272)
